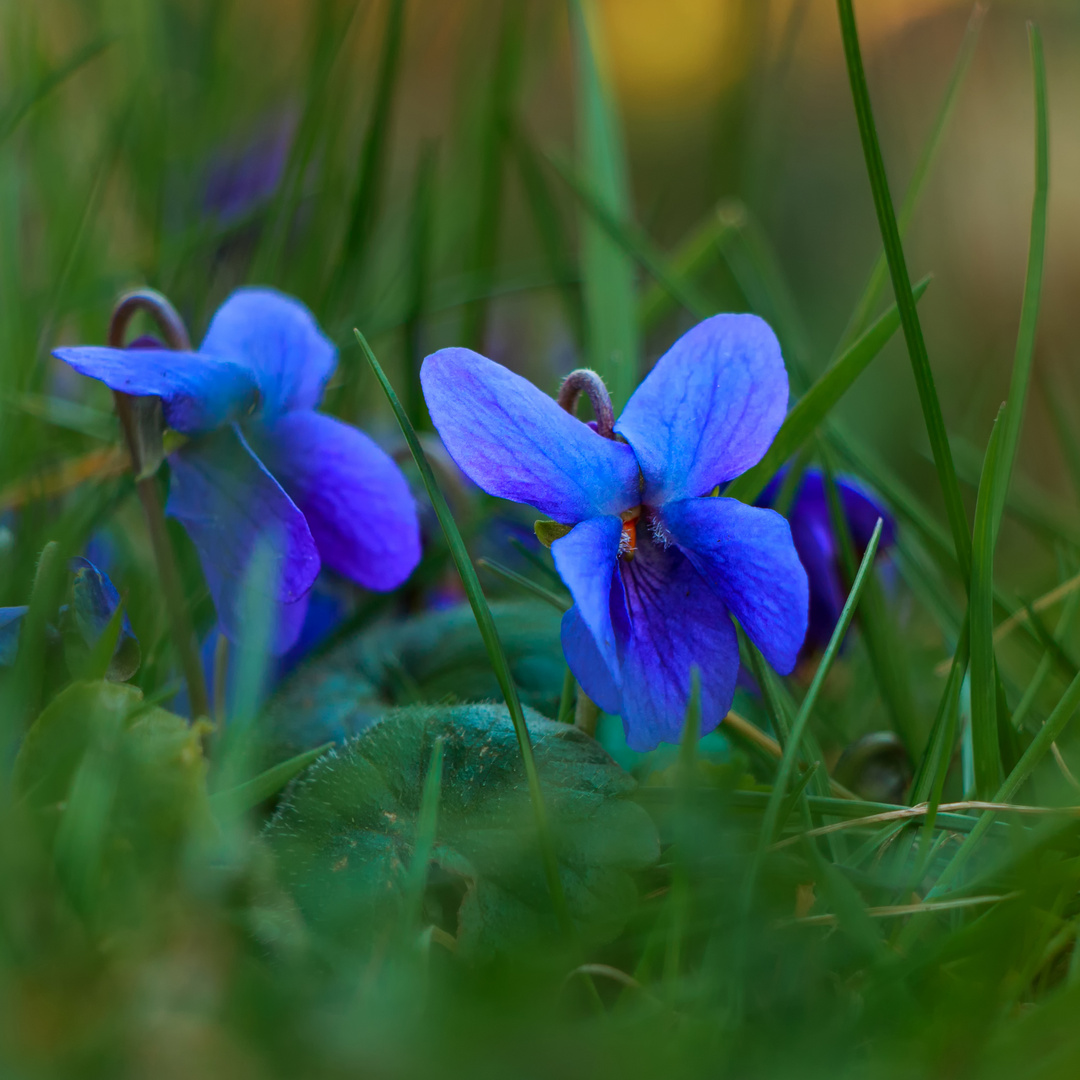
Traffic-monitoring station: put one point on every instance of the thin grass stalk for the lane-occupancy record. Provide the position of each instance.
(905, 300)
(492, 643)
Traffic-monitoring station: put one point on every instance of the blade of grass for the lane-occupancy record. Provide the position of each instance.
(814, 406)
(246, 796)
(905, 299)
(420, 245)
(427, 821)
(1029, 310)
(791, 747)
(370, 180)
(488, 632)
(860, 317)
(560, 603)
(608, 274)
(984, 737)
(497, 129)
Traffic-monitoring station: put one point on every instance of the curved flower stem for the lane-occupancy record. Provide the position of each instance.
(584, 381)
(144, 428)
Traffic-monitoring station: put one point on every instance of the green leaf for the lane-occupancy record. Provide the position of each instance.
(816, 404)
(346, 832)
(607, 272)
(436, 656)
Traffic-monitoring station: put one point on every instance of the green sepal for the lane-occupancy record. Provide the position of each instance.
(547, 532)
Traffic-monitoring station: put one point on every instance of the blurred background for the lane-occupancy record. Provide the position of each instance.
(407, 167)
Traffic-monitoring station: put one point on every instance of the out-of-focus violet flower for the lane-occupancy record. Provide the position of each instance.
(239, 182)
(93, 603)
(260, 465)
(655, 565)
(819, 547)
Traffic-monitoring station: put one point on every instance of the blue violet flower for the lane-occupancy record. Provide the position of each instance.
(655, 566)
(819, 547)
(260, 464)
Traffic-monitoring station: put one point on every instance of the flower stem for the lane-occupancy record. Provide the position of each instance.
(586, 714)
(144, 427)
(584, 381)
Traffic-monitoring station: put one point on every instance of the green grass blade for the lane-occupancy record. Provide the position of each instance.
(633, 242)
(607, 272)
(1029, 311)
(905, 300)
(420, 252)
(497, 128)
(17, 110)
(860, 317)
(373, 158)
(984, 737)
(816, 404)
(488, 632)
(791, 746)
(560, 603)
(697, 252)
(427, 822)
(246, 796)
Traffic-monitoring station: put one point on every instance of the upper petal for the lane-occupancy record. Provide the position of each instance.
(709, 409)
(676, 623)
(229, 504)
(198, 392)
(585, 558)
(356, 500)
(515, 442)
(278, 340)
(747, 555)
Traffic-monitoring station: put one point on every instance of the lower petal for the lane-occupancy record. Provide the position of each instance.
(355, 498)
(747, 556)
(676, 623)
(587, 665)
(230, 505)
(585, 558)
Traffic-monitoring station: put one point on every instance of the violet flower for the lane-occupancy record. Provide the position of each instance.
(261, 465)
(819, 547)
(655, 566)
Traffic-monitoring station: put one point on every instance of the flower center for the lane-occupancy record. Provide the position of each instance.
(628, 540)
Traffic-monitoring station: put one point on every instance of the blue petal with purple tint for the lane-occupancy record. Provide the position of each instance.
(279, 342)
(198, 392)
(515, 442)
(709, 409)
(747, 557)
(229, 503)
(356, 501)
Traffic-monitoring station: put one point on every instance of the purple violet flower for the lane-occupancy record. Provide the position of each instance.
(656, 567)
(260, 463)
(819, 547)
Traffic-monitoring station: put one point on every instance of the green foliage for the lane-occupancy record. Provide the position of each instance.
(345, 832)
(437, 656)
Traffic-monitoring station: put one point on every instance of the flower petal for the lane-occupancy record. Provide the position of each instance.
(746, 554)
(677, 623)
(586, 663)
(861, 506)
(278, 340)
(356, 500)
(709, 409)
(515, 442)
(229, 504)
(11, 620)
(198, 392)
(585, 558)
